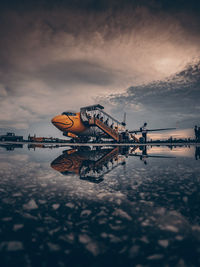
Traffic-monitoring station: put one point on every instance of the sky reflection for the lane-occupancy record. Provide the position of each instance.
(133, 213)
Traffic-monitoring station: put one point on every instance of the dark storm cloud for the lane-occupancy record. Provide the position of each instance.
(75, 72)
(91, 15)
(101, 5)
(175, 99)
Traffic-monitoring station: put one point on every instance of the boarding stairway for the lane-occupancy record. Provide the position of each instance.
(95, 116)
(105, 128)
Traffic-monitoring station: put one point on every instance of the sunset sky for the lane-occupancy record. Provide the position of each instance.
(141, 57)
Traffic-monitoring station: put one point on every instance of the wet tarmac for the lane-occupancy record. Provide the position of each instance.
(99, 206)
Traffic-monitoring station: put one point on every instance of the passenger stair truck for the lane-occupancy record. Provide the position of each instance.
(95, 116)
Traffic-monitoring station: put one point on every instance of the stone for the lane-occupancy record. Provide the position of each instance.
(122, 214)
(163, 243)
(31, 205)
(14, 246)
(56, 206)
(16, 227)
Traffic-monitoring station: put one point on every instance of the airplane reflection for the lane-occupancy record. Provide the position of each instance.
(144, 155)
(92, 164)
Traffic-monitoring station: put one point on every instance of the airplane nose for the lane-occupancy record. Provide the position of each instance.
(56, 119)
(62, 122)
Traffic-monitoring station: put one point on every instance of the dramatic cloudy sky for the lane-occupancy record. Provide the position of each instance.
(138, 56)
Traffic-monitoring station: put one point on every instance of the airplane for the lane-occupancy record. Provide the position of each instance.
(93, 122)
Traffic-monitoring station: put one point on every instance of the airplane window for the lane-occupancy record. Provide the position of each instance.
(69, 113)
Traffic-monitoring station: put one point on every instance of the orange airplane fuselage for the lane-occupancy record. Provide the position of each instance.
(71, 125)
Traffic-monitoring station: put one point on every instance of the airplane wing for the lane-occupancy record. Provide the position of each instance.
(152, 130)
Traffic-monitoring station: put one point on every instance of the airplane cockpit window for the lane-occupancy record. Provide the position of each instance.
(69, 113)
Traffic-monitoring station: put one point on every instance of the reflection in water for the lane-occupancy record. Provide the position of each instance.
(134, 215)
(11, 147)
(197, 153)
(93, 164)
(144, 155)
(90, 165)
(40, 145)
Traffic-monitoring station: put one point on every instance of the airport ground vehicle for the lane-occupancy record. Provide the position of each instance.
(11, 137)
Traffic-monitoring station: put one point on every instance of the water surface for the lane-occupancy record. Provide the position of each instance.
(102, 206)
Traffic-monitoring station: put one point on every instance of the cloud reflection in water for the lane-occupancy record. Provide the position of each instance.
(141, 213)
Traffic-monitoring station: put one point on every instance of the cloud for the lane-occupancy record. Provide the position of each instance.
(57, 55)
(173, 100)
(77, 72)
